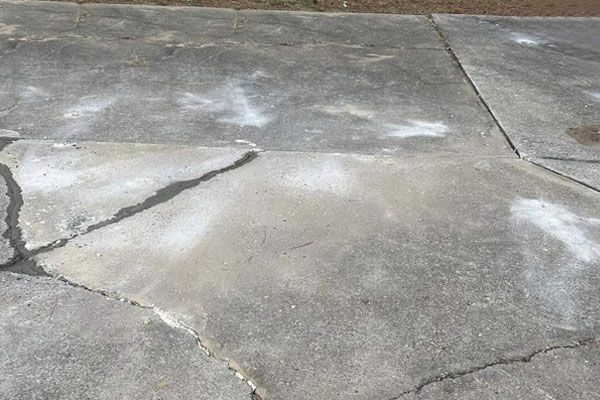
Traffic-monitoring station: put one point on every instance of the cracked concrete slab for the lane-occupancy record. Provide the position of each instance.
(587, 172)
(557, 374)
(67, 188)
(62, 342)
(339, 276)
(539, 76)
(402, 96)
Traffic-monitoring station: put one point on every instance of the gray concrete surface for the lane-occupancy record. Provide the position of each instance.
(68, 187)
(344, 276)
(540, 77)
(330, 91)
(587, 172)
(399, 250)
(556, 374)
(61, 342)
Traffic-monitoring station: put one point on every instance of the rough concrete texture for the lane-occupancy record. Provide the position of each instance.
(556, 374)
(587, 172)
(539, 76)
(61, 342)
(6, 250)
(69, 187)
(269, 84)
(339, 276)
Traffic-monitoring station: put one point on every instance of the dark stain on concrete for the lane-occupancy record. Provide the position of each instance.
(585, 134)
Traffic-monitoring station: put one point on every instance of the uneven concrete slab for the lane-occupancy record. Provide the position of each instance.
(539, 76)
(587, 172)
(66, 188)
(61, 342)
(338, 276)
(6, 250)
(401, 96)
(566, 373)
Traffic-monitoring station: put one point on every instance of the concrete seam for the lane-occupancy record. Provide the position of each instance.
(457, 62)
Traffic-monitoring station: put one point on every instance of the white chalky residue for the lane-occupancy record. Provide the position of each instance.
(232, 103)
(348, 109)
(32, 93)
(89, 107)
(416, 128)
(555, 284)
(243, 141)
(561, 224)
(594, 94)
(526, 40)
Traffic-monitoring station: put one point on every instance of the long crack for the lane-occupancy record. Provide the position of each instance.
(502, 361)
(23, 260)
(168, 319)
(161, 196)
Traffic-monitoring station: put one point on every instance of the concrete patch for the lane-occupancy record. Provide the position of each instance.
(391, 90)
(6, 250)
(337, 276)
(62, 342)
(540, 77)
(68, 187)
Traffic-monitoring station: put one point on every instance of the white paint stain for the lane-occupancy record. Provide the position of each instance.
(232, 103)
(594, 94)
(88, 107)
(526, 40)
(348, 109)
(416, 128)
(562, 225)
(556, 283)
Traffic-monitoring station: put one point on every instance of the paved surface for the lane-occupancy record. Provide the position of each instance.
(541, 79)
(330, 209)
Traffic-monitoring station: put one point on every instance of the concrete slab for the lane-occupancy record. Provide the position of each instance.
(398, 97)
(69, 187)
(31, 20)
(62, 342)
(539, 76)
(587, 172)
(555, 374)
(339, 276)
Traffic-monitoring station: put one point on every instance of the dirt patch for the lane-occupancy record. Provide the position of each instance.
(493, 7)
(585, 134)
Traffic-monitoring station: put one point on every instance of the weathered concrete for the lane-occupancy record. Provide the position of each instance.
(587, 172)
(556, 374)
(69, 187)
(61, 342)
(329, 91)
(337, 276)
(6, 250)
(540, 77)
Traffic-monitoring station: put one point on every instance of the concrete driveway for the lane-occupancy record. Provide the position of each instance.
(219, 204)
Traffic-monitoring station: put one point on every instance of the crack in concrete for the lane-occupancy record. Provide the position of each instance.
(168, 319)
(502, 361)
(457, 62)
(20, 260)
(566, 159)
(562, 175)
(23, 262)
(162, 195)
